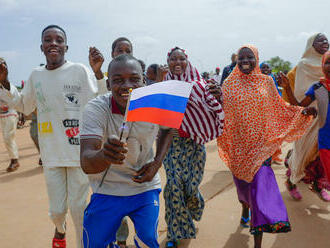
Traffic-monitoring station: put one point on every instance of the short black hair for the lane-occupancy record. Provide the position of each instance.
(53, 26)
(154, 67)
(114, 44)
(123, 58)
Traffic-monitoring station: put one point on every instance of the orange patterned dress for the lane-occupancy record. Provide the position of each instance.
(257, 121)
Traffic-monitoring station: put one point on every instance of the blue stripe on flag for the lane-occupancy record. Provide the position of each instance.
(161, 101)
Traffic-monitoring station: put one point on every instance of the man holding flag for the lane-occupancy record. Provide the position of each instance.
(119, 160)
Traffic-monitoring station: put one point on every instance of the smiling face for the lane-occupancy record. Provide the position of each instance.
(177, 62)
(265, 69)
(124, 75)
(122, 47)
(246, 60)
(321, 44)
(54, 47)
(151, 74)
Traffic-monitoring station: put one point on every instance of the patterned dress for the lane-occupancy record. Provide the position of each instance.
(257, 122)
(184, 165)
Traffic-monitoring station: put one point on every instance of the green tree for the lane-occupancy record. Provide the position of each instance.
(279, 64)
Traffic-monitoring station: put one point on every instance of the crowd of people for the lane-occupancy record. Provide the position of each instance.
(77, 127)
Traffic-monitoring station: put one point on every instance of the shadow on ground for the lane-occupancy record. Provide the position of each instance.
(8, 177)
(237, 238)
(220, 181)
(309, 219)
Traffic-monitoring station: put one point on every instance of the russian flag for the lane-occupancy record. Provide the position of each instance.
(161, 103)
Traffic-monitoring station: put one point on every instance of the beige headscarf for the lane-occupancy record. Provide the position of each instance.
(309, 71)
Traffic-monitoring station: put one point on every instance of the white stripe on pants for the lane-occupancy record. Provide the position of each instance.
(8, 126)
(67, 186)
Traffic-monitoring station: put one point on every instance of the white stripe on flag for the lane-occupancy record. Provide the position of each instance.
(172, 87)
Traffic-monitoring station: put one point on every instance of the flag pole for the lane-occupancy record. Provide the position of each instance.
(121, 132)
(126, 112)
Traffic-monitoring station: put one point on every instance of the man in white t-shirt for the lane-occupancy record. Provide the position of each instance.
(123, 173)
(217, 76)
(58, 91)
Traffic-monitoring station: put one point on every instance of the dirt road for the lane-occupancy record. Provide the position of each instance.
(24, 221)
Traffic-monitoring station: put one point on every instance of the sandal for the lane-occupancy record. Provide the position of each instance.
(13, 165)
(171, 244)
(122, 244)
(321, 193)
(245, 221)
(59, 243)
(293, 191)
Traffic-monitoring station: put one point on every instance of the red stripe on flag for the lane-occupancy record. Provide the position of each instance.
(157, 116)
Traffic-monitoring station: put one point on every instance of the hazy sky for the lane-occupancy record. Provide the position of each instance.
(210, 30)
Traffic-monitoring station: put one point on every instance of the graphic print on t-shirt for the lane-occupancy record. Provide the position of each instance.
(71, 94)
(72, 131)
(45, 128)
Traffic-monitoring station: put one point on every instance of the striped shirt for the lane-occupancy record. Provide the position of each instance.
(204, 117)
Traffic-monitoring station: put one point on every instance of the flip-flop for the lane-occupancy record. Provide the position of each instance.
(171, 244)
(59, 243)
(322, 194)
(246, 220)
(122, 244)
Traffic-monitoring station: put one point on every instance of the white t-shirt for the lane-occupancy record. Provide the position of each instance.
(59, 96)
(217, 78)
(100, 121)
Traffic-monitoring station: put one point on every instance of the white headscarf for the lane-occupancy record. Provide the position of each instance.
(309, 71)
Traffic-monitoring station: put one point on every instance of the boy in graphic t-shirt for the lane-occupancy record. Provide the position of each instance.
(59, 92)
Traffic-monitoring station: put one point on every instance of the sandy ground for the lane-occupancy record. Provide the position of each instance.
(24, 221)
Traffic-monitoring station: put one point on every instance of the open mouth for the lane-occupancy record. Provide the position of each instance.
(177, 68)
(53, 51)
(124, 94)
(246, 67)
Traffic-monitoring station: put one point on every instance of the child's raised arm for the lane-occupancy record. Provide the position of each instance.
(284, 82)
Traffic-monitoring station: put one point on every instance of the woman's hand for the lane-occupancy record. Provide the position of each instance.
(310, 111)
